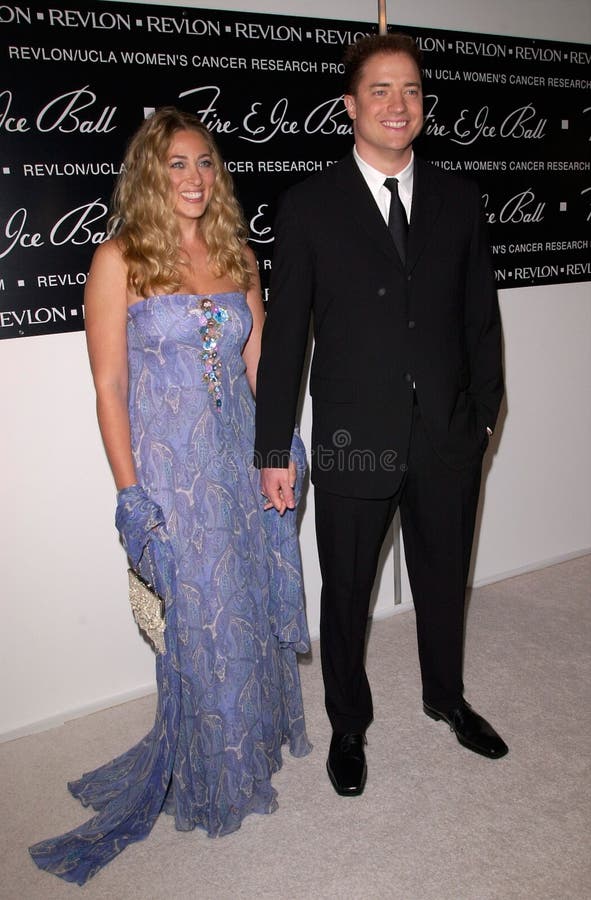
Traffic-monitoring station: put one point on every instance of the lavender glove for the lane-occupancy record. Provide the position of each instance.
(286, 595)
(136, 516)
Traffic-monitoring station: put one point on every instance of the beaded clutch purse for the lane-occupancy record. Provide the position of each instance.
(148, 610)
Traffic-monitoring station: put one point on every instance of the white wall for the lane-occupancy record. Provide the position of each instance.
(68, 641)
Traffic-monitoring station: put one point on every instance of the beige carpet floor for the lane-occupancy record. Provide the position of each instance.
(436, 822)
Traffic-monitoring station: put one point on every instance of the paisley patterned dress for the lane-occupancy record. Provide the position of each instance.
(228, 685)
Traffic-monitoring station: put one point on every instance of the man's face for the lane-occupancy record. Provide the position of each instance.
(387, 110)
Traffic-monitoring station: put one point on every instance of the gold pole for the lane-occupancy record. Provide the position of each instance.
(382, 21)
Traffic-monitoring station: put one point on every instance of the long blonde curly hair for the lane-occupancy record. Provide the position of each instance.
(143, 219)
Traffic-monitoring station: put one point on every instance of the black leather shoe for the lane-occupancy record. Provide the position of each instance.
(346, 764)
(471, 730)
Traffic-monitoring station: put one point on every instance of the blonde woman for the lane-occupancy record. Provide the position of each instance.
(173, 319)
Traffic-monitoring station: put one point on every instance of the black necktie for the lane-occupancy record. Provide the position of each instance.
(397, 221)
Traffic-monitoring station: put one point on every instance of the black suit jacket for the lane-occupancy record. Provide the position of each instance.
(379, 328)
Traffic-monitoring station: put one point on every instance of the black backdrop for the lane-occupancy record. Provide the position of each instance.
(75, 83)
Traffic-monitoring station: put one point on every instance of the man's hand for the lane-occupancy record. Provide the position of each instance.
(277, 488)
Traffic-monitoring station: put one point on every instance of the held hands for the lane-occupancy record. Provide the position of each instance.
(277, 486)
(282, 488)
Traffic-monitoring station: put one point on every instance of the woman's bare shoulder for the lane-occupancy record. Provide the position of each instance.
(250, 257)
(109, 253)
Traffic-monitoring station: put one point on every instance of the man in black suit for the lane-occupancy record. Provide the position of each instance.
(390, 256)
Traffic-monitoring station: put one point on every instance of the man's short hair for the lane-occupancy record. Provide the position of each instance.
(357, 54)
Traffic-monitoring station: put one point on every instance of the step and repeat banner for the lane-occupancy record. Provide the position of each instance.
(515, 114)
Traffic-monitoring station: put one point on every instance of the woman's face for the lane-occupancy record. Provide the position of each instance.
(192, 174)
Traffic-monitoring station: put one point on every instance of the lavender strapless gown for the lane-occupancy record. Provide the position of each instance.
(228, 685)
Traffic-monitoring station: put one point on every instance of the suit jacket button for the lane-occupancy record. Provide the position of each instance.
(407, 376)
(411, 323)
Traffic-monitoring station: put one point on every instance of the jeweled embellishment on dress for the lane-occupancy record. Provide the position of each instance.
(211, 326)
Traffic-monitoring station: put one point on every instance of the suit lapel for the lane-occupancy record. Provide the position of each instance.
(361, 207)
(426, 204)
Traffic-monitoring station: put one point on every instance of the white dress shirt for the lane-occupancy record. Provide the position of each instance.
(375, 182)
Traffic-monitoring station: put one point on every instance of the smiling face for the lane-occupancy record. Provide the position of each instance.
(387, 110)
(192, 175)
